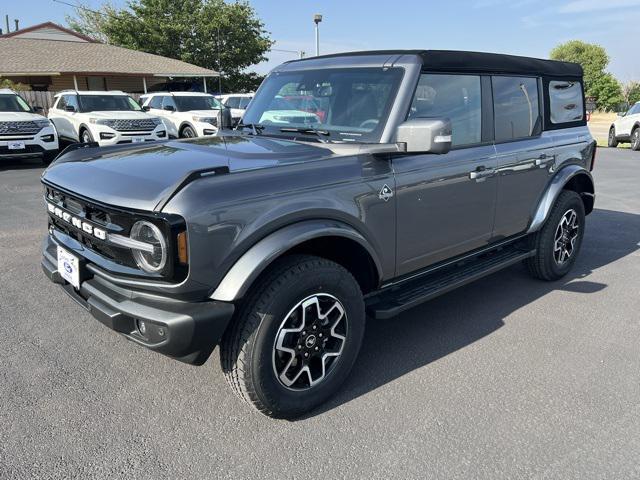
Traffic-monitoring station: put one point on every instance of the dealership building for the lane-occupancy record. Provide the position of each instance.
(48, 57)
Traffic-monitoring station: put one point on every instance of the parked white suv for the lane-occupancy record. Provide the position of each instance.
(24, 133)
(237, 103)
(626, 128)
(185, 114)
(108, 118)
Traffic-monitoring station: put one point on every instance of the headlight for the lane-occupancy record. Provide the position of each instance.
(156, 121)
(103, 121)
(211, 120)
(42, 123)
(147, 232)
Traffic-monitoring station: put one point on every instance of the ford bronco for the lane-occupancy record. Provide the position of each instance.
(415, 172)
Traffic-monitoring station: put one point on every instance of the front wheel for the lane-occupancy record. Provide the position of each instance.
(85, 136)
(188, 132)
(296, 336)
(558, 243)
(635, 139)
(612, 141)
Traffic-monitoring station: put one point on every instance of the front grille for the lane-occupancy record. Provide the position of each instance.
(10, 129)
(142, 125)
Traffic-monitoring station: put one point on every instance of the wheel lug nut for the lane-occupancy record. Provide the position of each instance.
(306, 354)
(316, 349)
(314, 327)
(320, 335)
(304, 332)
(299, 347)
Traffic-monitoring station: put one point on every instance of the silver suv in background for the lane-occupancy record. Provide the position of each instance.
(237, 103)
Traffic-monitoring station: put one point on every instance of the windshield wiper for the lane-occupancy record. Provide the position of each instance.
(255, 127)
(307, 130)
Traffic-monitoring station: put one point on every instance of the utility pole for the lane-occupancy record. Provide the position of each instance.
(219, 63)
(317, 18)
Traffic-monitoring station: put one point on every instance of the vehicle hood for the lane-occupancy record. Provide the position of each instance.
(145, 176)
(119, 115)
(19, 117)
(203, 113)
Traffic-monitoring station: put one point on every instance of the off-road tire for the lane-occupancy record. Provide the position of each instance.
(612, 142)
(635, 139)
(247, 347)
(543, 264)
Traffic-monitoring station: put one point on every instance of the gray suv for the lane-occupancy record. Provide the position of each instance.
(358, 184)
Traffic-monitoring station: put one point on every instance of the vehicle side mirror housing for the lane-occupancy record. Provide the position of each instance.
(169, 108)
(622, 114)
(38, 109)
(225, 121)
(425, 135)
(146, 108)
(69, 108)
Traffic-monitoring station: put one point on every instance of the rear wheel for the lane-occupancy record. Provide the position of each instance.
(558, 242)
(635, 139)
(296, 336)
(612, 141)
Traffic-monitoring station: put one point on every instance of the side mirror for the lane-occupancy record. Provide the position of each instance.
(38, 109)
(169, 108)
(69, 108)
(146, 108)
(225, 122)
(425, 135)
(622, 114)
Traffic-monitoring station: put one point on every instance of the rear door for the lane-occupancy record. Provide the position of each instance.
(446, 203)
(524, 155)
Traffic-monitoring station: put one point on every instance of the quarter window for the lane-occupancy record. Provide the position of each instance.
(516, 108)
(565, 101)
(456, 97)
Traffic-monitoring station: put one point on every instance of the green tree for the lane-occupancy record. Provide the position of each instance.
(7, 83)
(631, 92)
(594, 60)
(213, 34)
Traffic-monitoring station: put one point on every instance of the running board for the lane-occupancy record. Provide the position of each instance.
(395, 299)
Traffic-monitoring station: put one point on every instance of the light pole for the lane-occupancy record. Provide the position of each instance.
(317, 18)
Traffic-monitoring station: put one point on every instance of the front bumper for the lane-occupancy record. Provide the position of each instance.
(186, 331)
(44, 144)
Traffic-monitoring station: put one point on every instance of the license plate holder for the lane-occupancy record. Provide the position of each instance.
(137, 140)
(69, 267)
(15, 145)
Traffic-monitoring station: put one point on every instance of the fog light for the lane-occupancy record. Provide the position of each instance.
(209, 132)
(106, 135)
(162, 134)
(47, 138)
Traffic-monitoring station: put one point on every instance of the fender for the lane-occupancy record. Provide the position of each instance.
(240, 277)
(553, 190)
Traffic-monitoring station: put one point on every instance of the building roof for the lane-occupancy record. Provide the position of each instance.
(34, 57)
(49, 30)
(452, 60)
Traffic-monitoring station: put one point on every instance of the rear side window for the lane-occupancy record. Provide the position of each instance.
(516, 106)
(233, 102)
(456, 97)
(61, 103)
(244, 101)
(565, 101)
(169, 102)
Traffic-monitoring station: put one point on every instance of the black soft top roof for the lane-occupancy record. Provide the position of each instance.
(462, 61)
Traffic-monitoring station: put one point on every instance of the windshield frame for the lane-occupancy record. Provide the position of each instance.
(336, 133)
(21, 103)
(132, 103)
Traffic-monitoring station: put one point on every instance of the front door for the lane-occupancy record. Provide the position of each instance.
(446, 203)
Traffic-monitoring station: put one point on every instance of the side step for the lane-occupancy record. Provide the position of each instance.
(390, 301)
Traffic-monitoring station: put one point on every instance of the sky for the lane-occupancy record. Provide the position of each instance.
(520, 27)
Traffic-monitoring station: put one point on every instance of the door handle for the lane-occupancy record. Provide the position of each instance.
(480, 173)
(543, 159)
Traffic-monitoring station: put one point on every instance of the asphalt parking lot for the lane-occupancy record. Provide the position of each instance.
(505, 378)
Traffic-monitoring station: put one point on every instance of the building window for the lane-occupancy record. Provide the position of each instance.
(97, 83)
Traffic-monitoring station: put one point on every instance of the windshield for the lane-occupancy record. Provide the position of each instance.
(196, 103)
(348, 104)
(105, 103)
(13, 103)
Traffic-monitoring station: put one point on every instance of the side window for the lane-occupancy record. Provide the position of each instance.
(244, 101)
(168, 101)
(516, 107)
(456, 97)
(233, 102)
(565, 101)
(634, 110)
(62, 102)
(156, 102)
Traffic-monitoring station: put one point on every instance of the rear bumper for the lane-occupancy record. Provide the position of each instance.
(186, 331)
